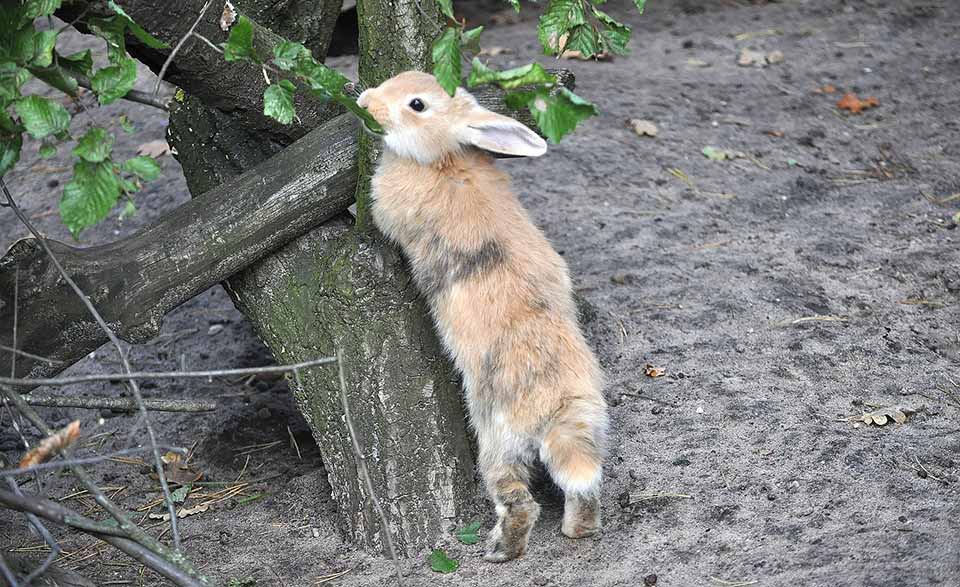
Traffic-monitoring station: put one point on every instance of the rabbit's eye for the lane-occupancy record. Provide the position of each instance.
(417, 105)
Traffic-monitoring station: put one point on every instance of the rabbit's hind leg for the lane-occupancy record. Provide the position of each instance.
(572, 451)
(506, 473)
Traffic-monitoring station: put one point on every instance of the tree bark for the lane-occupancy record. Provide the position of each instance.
(336, 288)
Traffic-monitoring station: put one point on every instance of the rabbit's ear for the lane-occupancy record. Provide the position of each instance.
(500, 134)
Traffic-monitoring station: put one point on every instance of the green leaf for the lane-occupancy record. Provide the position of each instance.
(584, 39)
(130, 210)
(113, 82)
(42, 117)
(446, 7)
(43, 44)
(143, 167)
(560, 17)
(34, 8)
(239, 45)
(142, 35)
(112, 31)
(615, 35)
(180, 494)
(95, 145)
(441, 563)
(287, 54)
(47, 150)
(557, 113)
(470, 40)
(714, 154)
(80, 62)
(89, 196)
(12, 78)
(509, 79)
(515, 4)
(126, 124)
(58, 78)
(278, 101)
(641, 4)
(9, 152)
(468, 534)
(446, 59)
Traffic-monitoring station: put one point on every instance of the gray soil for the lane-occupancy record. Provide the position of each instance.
(780, 298)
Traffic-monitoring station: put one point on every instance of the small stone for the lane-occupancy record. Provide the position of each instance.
(650, 580)
(540, 580)
(656, 410)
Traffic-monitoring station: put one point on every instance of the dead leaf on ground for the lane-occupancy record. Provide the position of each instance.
(880, 416)
(178, 470)
(774, 133)
(52, 445)
(505, 16)
(154, 149)
(181, 513)
(694, 62)
(494, 51)
(228, 17)
(749, 57)
(851, 102)
(827, 89)
(651, 371)
(644, 128)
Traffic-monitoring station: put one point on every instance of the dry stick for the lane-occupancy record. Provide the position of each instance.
(131, 376)
(362, 466)
(132, 384)
(109, 534)
(119, 403)
(15, 351)
(16, 314)
(7, 573)
(133, 531)
(86, 460)
(176, 49)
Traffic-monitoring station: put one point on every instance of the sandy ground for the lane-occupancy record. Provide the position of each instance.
(815, 278)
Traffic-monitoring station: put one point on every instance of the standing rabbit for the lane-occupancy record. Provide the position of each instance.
(500, 296)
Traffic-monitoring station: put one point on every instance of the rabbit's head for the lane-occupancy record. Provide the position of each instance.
(422, 122)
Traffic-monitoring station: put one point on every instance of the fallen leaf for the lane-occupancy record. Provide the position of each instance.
(827, 89)
(644, 128)
(154, 149)
(469, 533)
(52, 445)
(714, 154)
(694, 62)
(182, 512)
(749, 57)
(851, 102)
(228, 17)
(177, 470)
(441, 563)
(494, 51)
(879, 416)
(651, 371)
(180, 495)
(774, 133)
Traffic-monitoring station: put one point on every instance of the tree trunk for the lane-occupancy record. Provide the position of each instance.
(337, 288)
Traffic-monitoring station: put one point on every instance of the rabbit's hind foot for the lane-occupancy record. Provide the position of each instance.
(581, 516)
(517, 512)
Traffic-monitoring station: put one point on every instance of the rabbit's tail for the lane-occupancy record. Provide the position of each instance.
(572, 447)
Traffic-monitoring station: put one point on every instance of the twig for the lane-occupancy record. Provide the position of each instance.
(732, 583)
(47, 537)
(7, 573)
(293, 441)
(53, 511)
(132, 376)
(16, 309)
(13, 350)
(817, 318)
(85, 460)
(119, 403)
(132, 384)
(362, 466)
(176, 49)
(132, 95)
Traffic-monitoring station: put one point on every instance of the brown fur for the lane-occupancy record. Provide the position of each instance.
(500, 297)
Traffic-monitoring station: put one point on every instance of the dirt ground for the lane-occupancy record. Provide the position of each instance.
(812, 279)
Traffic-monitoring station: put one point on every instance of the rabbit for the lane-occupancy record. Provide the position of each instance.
(499, 295)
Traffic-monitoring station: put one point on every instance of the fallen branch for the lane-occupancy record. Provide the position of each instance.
(119, 403)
